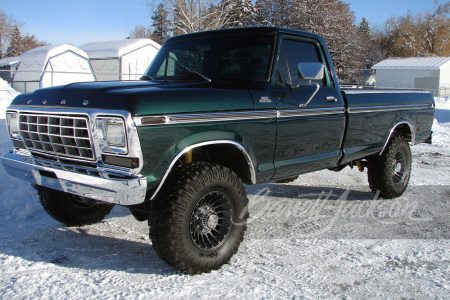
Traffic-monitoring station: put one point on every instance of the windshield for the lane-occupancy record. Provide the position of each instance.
(229, 57)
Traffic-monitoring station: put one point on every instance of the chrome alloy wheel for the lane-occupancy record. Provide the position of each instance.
(211, 221)
(398, 167)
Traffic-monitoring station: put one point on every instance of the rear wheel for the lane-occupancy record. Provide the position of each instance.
(198, 220)
(72, 210)
(389, 173)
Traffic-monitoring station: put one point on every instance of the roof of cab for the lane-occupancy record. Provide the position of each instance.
(262, 30)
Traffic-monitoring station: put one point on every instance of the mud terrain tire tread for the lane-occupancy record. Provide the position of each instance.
(382, 169)
(64, 208)
(172, 210)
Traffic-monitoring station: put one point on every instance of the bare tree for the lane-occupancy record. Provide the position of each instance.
(141, 32)
(420, 35)
(7, 24)
(196, 15)
(28, 42)
(12, 42)
(333, 20)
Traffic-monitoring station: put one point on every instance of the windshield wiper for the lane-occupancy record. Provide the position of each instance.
(195, 74)
(146, 77)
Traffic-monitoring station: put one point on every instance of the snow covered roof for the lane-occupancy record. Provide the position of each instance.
(115, 49)
(62, 58)
(9, 61)
(424, 63)
(36, 59)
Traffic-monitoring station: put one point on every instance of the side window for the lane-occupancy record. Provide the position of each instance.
(297, 52)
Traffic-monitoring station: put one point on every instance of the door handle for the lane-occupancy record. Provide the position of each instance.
(331, 99)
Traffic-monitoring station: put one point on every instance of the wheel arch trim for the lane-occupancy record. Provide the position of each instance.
(411, 128)
(203, 144)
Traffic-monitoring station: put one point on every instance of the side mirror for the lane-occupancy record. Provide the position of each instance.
(310, 71)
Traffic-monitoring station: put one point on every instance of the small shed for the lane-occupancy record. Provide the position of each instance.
(51, 66)
(121, 60)
(426, 73)
(8, 67)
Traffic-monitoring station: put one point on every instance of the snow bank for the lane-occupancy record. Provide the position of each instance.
(441, 124)
(7, 94)
(443, 103)
(18, 200)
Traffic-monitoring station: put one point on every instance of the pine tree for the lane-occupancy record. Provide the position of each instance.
(161, 24)
(14, 48)
(239, 13)
(364, 29)
(274, 12)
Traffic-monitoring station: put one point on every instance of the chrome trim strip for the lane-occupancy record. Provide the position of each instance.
(205, 117)
(120, 191)
(357, 110)
(381, 91)
(234, 116)
(413, 134)
(187, 149)
(102, 170)
(305, 112)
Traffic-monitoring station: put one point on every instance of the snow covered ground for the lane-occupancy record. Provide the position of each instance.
(322, 236)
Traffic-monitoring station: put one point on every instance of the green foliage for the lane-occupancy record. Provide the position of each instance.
(364, 29)
(14, 48)
(161, 24)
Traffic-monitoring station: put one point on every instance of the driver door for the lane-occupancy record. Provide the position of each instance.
(311, 115)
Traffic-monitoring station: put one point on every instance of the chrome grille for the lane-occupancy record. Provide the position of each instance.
(66, 136)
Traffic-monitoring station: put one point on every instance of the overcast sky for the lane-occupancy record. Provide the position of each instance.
(83, 21)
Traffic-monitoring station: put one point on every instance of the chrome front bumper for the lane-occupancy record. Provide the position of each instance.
(112, 190)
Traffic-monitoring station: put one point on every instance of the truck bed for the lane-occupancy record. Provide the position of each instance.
(373, 114)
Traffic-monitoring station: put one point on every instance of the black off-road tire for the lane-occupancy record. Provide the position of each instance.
(389, 173)
(198, 220)
(72, 210)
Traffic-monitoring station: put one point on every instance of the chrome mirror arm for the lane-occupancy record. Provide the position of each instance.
(310, 83)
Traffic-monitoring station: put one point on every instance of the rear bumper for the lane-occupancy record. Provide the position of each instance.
(120, 191)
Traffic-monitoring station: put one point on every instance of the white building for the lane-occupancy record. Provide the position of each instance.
(427, 73)
(121, 60)
(8, 67)
(51, 66)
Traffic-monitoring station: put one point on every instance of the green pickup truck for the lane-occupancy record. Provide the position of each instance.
(215, 110)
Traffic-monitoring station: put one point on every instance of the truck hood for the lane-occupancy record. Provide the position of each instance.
(140, 97)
